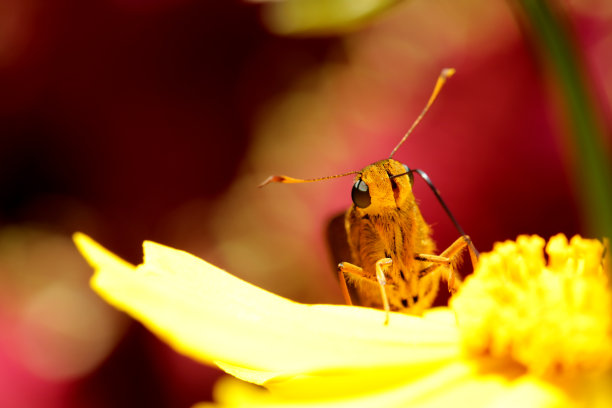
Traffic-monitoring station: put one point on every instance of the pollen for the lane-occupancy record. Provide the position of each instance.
(546, 306)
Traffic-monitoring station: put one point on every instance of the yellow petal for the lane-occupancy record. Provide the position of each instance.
(214, 317)
(530, 391)
(411, 392)
(311, 17)
(454, 385)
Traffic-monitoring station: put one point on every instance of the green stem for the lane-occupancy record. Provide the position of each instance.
(593, 173)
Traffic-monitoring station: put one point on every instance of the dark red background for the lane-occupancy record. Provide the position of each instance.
(115, 113)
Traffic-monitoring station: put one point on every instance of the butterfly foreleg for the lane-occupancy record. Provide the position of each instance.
(355, 274)
(448, 259)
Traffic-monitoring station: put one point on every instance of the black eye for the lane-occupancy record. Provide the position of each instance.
(410, 176)
(361, 194)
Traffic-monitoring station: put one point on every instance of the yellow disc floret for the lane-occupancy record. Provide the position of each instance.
(552, 315)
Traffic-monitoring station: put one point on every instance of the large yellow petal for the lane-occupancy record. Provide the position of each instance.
(215, 317)
(457, 384)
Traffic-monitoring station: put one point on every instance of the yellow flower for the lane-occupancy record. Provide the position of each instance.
(552, 317)
(529, 332)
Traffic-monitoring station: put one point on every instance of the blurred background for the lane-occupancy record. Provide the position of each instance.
(136, 120)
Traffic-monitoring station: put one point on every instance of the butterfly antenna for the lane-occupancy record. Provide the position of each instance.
(444, 75)
(287, 179)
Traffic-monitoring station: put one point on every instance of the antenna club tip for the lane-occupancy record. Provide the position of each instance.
(271, 179)
(278, 179)
(448, 72)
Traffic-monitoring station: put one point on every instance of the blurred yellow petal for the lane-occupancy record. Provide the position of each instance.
(320, 17)
(456, 384)
(531, 392)
(216, 318)
(412, 389)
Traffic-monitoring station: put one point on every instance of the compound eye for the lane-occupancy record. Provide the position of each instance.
(410, 176)
(361, 194)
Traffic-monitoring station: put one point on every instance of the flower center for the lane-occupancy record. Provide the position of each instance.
(552, 316)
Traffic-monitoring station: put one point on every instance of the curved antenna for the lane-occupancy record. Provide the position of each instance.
(444, 75)
(436, 192)
(287, 179)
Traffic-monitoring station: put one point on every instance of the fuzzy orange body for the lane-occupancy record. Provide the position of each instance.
(391, 227)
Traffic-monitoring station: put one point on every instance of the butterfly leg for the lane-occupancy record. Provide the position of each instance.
(448, 258)
(382, 281)
(351, 271)
(355, 273)
(437, 263)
